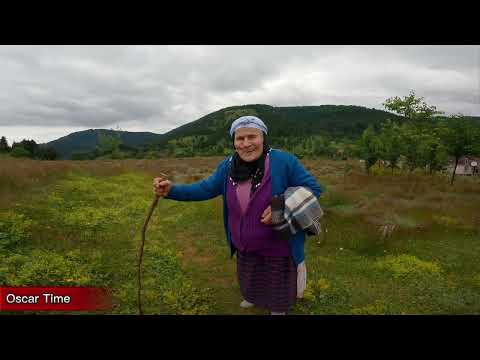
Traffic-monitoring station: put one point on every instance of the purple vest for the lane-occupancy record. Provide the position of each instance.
(248, 233)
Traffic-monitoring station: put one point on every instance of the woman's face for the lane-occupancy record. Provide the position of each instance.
(249, 143)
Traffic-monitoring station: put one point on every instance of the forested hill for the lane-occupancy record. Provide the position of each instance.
(337, 121)
(88, 140)
(209, 134)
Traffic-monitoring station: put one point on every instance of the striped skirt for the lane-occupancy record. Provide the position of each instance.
(267, 282)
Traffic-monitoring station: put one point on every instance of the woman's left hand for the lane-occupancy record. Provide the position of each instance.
(267, 216)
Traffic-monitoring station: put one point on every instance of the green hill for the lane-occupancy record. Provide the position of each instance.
(86, 141)
(329, 120)
(208, 135)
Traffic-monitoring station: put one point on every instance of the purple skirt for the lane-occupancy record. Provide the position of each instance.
(268, 282)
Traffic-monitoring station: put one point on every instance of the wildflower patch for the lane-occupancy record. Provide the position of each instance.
(404, 266)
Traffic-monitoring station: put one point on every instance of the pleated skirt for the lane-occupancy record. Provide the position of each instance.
(268, 282)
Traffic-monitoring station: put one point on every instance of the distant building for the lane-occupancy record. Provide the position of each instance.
(467, 165)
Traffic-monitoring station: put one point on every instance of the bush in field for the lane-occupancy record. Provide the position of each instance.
(14, 228)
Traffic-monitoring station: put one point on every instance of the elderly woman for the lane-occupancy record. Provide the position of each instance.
(248, 180)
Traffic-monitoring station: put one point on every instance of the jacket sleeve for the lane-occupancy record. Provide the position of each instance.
(299, 176)
(202, 190)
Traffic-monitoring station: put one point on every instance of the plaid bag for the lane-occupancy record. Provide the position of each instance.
(296, 210)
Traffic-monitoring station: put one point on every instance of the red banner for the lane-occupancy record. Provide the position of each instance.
(54, 299)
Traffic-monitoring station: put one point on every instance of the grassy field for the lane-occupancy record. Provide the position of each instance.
(391, 244)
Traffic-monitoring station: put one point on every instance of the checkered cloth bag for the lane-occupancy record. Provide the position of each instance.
(296, 210)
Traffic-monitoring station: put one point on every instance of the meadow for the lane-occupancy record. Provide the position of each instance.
(391, 243)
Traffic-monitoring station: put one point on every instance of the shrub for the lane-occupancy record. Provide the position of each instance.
(14, 228)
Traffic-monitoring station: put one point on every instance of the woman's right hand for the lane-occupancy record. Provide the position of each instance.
(161, 187)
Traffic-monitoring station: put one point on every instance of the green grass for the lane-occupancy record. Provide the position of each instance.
(84, 230)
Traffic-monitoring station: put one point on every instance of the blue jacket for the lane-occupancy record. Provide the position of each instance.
(285, 171)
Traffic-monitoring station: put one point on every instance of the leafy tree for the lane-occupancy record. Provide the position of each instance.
(369, 147)
(4, 145)
(432, 152)
(422, 147)
(29, 145)
(460, 137)
(390, 144)
(20, 152)
(319, 145)
(419, 148)
(411, 139)
(412, 108)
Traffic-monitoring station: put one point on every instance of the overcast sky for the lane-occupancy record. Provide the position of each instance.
(50, 91)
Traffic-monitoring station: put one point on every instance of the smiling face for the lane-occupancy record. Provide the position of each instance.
(249, 143)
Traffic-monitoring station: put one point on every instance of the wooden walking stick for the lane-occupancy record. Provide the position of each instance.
(140, 257)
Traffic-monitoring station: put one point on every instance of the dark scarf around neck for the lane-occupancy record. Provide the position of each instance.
(241, 170)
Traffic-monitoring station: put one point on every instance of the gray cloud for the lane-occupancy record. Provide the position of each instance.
(49, 91)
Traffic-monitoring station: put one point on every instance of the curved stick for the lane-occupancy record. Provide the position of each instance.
(140, 257)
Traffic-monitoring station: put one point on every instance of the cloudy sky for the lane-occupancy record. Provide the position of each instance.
(50, 91)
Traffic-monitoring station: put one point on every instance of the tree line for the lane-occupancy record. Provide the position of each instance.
(423, 139)
(27, 149)
(417, 136)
